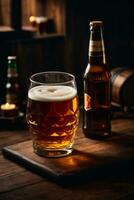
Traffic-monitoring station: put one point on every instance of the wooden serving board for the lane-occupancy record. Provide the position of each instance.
(90, 157)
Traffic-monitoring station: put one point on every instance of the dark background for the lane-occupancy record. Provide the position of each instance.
(67, 48)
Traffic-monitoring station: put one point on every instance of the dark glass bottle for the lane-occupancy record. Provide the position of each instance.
(96, 122)
(12, 85)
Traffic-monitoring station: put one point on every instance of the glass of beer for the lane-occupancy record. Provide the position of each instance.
(52, 113)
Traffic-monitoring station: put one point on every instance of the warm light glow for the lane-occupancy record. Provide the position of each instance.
(32, 18)
(8, 106)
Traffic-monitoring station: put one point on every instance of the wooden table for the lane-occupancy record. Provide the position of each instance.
(18, 183)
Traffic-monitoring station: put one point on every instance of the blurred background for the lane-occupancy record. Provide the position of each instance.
(54, 35)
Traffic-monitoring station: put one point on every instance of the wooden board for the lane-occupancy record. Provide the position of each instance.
(90, 157)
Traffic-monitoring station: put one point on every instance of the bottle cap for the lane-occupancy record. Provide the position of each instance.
(96, 24)
(11, 57)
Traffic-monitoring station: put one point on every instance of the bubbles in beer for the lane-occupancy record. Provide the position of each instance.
(51, 93)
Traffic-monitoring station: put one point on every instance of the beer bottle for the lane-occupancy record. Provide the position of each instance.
(12, 85)
(96, 122)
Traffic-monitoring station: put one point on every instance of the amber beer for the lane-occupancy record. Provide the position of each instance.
(96, 122)
(52, 117)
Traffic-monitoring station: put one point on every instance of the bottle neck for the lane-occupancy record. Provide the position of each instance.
(96, 47)
(12, 69)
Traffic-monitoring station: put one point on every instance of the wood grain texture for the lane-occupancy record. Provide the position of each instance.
(88, 156)
(114, 183)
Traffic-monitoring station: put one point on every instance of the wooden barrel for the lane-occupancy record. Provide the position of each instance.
(122, 87)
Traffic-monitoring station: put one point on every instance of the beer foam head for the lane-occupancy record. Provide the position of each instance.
(51, 93)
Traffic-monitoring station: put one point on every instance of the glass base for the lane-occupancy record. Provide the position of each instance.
(53, 153)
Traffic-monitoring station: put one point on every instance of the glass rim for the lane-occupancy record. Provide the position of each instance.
(50, 72)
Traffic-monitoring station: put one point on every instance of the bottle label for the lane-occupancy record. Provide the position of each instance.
(12, 73)
(96, 46)
(87, 102)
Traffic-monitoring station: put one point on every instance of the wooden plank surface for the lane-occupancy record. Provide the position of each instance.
(88, 156)
(17, 183)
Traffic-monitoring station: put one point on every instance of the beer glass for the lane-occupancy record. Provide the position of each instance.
(52, 113)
